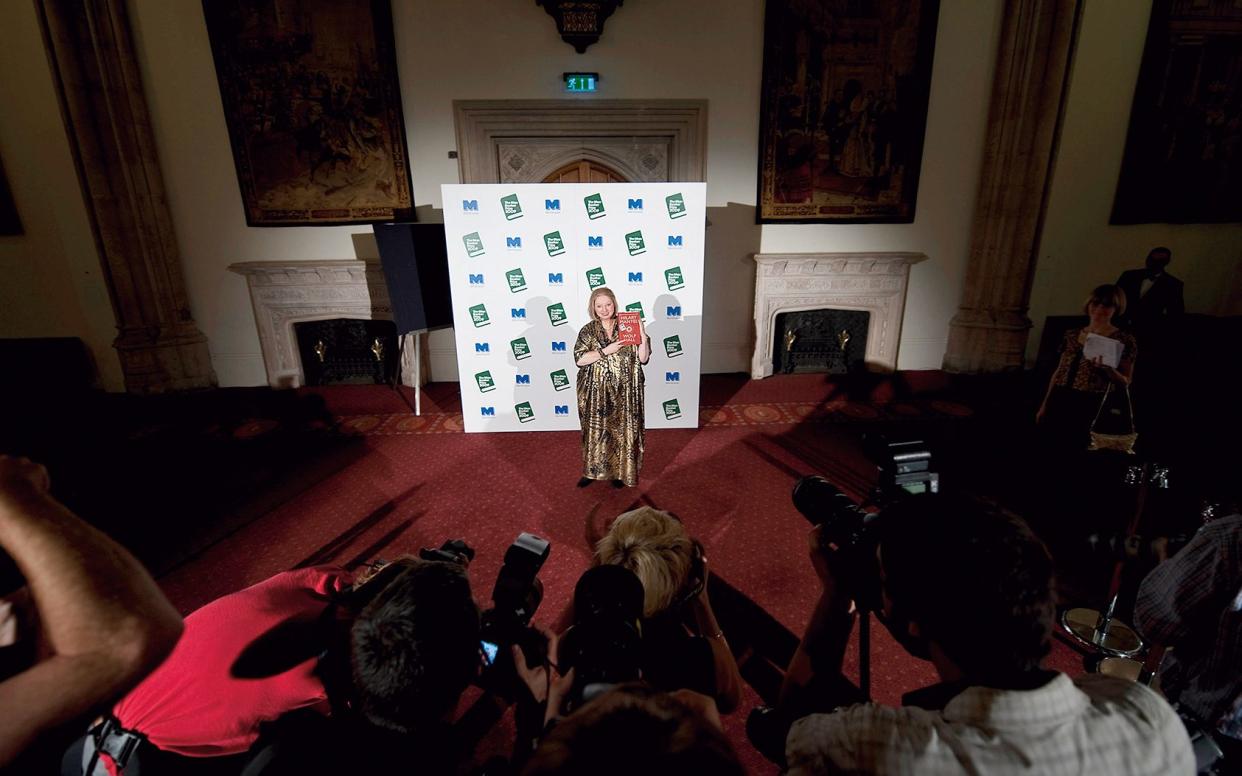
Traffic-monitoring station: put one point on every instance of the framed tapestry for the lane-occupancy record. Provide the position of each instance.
(1183, 157)
(313, 109)
(843, 109)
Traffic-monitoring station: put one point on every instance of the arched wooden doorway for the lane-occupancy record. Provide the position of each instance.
(584, 171)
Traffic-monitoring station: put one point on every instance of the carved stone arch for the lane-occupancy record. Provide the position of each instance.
(510, 141)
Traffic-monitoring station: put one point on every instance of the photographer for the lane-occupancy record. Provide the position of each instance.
(1193, 603)
(635, 727)
(102, 622)
(673, 571)
(624, 729)
(393, 652)
(972, 592)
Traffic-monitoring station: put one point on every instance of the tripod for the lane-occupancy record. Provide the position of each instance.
(418, 367)
(1100, 631)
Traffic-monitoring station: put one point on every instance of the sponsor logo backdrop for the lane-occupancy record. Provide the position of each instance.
(523, 260)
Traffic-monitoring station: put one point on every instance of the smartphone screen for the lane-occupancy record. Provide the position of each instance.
(489, 651)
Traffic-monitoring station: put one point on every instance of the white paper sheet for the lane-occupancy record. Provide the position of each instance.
(1106, 347)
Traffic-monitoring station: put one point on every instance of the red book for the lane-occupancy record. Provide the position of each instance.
(629, 331)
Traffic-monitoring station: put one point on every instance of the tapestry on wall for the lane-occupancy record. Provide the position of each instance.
(313, 109)
(843, 109)
(1183, 157)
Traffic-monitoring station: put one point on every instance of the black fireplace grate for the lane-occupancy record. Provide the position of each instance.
(828, 340)
(347, 350)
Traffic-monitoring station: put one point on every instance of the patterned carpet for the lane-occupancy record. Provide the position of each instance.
(752, 414)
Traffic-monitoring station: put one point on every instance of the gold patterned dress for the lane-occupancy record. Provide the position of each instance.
(610, 405)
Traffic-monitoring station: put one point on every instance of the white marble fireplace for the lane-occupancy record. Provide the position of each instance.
(287, 292)
(872, 282)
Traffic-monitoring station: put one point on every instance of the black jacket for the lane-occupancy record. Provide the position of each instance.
(1164, 298)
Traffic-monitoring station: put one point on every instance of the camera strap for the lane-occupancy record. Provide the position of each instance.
(110, 739)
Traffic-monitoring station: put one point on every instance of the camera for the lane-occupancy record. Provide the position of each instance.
(452, 551)
(604, 644)
(851, 528)
(1148, 550)
(905, 467)
(515, 598)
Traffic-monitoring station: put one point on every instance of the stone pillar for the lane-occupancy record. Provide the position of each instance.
(99, 86)
(991, 327)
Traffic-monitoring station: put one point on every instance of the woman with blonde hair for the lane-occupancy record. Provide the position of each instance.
(610, 395)
(683, 645)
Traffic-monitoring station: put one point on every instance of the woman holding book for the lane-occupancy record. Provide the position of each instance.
(1076, 391)
(610, 393)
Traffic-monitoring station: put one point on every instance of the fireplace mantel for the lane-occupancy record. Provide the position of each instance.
(873, 282)
(287, 292)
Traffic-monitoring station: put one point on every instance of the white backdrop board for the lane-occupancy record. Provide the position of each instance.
(523, 260)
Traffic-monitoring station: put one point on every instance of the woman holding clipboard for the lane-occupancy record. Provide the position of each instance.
(1092, 359)
(610, 353)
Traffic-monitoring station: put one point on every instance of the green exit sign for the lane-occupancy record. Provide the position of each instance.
(581, 82)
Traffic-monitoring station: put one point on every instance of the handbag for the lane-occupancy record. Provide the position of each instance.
(1122, 443)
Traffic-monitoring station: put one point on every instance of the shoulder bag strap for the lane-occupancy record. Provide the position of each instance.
(1101, 407)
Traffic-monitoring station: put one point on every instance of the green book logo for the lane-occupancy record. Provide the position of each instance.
(524, 412)
(676, 205)
(636, 307)
(485, 381)
(553, 242)
(517, 281)
(521, 349)
(594, 206)
(673, 277)
(672, 346)
(474, 244)
(478, 314)
(556, 314)
(672, 410)
(595, 277)
(560, 380)
(634, 242)
(511, 207)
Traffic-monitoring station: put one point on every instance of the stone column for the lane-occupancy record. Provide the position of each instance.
(91, 52)
(991, 327)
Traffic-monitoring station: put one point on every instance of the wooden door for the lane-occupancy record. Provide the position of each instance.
(585, 172)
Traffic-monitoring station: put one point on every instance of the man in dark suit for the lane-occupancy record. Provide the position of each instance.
(1152, 294)
(1153, 311)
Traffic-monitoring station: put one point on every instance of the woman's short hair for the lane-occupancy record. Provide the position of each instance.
(655, 546)
(1108, 295)
(601, 291)
(634, 728)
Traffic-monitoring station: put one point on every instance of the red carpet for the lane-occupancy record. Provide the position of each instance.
(422, 481)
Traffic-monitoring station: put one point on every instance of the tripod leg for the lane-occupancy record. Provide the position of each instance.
(864, 654)
(418, 373)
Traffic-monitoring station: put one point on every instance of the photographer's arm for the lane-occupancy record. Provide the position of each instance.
(1194, 583)
(728, 678)
(545, 698)
(822, 650)
(103, 618)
